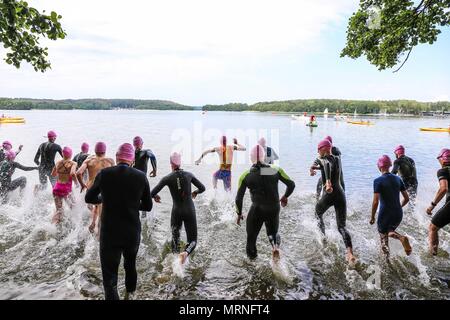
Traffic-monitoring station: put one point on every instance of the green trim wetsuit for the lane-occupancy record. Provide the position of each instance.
(262, 180)
(7, 169)
(141, 160)
(183, 209)
(406, 168)
(330, 167)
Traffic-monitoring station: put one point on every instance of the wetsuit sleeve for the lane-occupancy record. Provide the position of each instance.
(152, 158)
(21, 167)
(290, 185)
(201, 188)
(38, 155)
(327, 170)
(59, 150)
(93, 194)
(146, 200)
(396, 167)
(442, 174)
(337, 152)
(402, 185)
(242, 187)
(159, 186)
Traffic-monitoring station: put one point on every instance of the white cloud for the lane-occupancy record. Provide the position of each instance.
(157, 49)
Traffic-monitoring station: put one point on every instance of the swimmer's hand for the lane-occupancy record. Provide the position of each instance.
(194, 194)
(20, 147)
(235, 141)
(153, 174)
(283, 201)
(372, 220)
(83, 187)
(328, 187)
(197, 162)
(312, 172)
(239, 218)
(430, 210)
(157, 199)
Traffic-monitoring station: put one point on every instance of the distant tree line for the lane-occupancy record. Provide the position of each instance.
(89, 104)
(342, 106)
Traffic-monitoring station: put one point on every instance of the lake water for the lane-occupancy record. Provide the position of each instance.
(41, 261)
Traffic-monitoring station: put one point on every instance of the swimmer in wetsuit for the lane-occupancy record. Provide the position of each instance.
(142, 156)
(65, 172)
(6, 146)
(7, 168)
(123, 191)
(271, 155)
(225, 153)
(262, 181)
(387, 189)
(406, 168)
(333, 194)
(93, 165)
(82, 156)
(335, 152)
(183, 209)
(45, 159)
(442, 217)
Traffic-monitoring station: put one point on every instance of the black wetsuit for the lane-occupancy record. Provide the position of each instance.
(141, 160)
(123, 191)
(79, 158)
(183, 209)
(7, 169)
(336, 152)
(262, 180)
(442, 216)
(45, 159)
(2, 155)
(406, 168)
(330, 167)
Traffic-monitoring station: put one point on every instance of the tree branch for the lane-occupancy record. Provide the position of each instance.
(404, 61)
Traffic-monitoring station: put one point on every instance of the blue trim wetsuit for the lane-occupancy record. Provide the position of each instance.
(123, 191)
(183, 209)
(80, 158)
(262, 180)
(45, 159)
(141, 160)
(336, 152)
(7, 169)
(330, 167)
(390, 214)
(406, 168)
(442, 216)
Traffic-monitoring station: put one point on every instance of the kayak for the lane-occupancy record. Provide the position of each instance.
(312, 124)
(435, 129)
(12, 120)
(363, 123)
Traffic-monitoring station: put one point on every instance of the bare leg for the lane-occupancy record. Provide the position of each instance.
(94, 212)
(99, 220)
(59, 210)
(433, 238)
(384, 239)
(214, 181)
(350, 257)
(183, 257)
(404, 240)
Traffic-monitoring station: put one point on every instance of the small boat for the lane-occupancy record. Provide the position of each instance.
(312, 124)
(300, 118)
(362, 123)
(11, 120)
(435, 129)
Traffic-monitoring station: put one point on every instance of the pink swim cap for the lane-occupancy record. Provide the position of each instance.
(85, 147)
(324, 144)
(262, 142)
(257, 154)
(138, 142)
(399, 150)
(223, 140)
(125, 152)
(51, 134)
(100, 147)
(329, 138)
(175, 159)
(7, 145)
(384, 162)
(444, 155)
(67, 152)
(10, 155)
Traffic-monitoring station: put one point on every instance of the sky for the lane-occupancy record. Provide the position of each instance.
(213, 52)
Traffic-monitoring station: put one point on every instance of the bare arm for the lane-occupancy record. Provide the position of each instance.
(376, 200)
(443, 188)
(405, 198)
(80, 172)
(204, 154)
(54, 170)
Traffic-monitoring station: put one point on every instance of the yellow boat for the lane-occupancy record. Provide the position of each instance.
(363, 123)
(12, 120)
(435, 129)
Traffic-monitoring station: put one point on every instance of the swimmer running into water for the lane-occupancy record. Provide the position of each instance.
(65, 172)
(442, 217)
(183, 209)
(6, 146)
(94, 164)
(262, 181)
(405, 167)
(45, 159)
(225, 153)
(142, 156)
(333, 194)
(387, 189)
